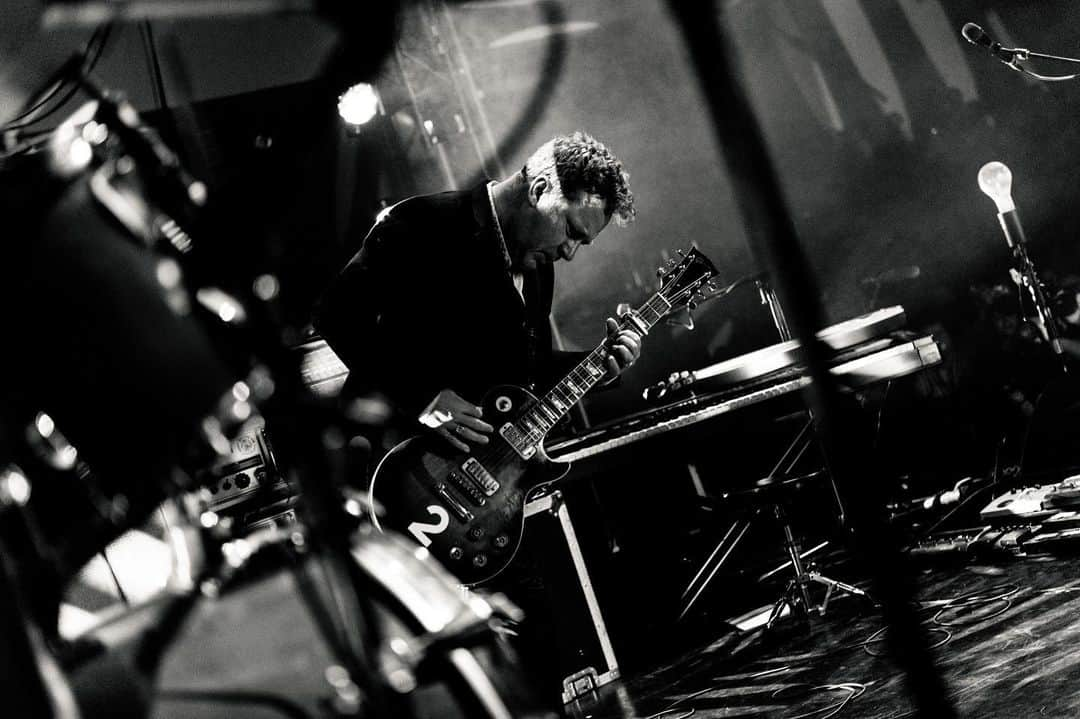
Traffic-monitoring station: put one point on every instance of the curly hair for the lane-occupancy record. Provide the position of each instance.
(578, 163)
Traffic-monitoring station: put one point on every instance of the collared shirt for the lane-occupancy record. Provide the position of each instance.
(517, 277)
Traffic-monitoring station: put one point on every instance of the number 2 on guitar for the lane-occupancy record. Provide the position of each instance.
(420, 530)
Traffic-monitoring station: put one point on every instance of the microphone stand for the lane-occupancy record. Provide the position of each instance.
(769, 299)
(1034, 286)
(1020, 54)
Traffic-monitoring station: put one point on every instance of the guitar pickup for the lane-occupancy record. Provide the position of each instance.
(517, 440)
(476, 472)
(460, 510)
(470, 488)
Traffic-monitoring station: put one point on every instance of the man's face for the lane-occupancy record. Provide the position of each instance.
(557, 226)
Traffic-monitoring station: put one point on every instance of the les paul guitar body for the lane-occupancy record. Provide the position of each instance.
(467, 509)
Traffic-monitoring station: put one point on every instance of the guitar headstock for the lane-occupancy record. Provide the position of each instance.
(686, 281)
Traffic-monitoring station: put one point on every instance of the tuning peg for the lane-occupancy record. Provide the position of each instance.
(659, 271)
(691, 305)
(682, 253)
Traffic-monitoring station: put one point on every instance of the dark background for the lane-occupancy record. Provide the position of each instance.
(878, 116)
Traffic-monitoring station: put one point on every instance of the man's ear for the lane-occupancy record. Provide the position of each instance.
(537, 188)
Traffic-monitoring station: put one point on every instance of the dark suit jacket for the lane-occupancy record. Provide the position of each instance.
(428, 303)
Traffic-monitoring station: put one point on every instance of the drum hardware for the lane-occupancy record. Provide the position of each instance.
(345, 620)
(116, 136)
(28, 663)
(436, 647)
(59, 548)
(228, 562)
(464, 632)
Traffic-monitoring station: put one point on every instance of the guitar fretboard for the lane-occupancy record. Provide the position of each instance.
(553, 406)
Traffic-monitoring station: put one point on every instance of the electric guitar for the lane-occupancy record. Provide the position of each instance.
(467, 508)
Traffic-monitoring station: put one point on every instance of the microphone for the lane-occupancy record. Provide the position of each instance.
(977, 36)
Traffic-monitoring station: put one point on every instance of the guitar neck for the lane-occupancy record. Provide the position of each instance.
(554, 405)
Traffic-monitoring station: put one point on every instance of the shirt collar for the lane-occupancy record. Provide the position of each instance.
(488, 221)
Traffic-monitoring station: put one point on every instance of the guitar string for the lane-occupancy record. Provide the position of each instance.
(594, 361)
(532, 436)
(503, 453)
(589, 379)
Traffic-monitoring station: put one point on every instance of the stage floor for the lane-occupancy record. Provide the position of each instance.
(1011, 648)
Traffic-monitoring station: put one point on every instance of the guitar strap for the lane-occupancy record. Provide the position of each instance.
(530, 293)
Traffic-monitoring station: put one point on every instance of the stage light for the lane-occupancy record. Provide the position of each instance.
(995, 180)
(45, 425)
(358, 104)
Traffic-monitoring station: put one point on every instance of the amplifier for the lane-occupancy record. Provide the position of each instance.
(250, 469)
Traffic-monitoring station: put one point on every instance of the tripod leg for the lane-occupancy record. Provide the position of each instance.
(792, 599)
(722, 550)
(804, 555)
(778, 607)
(796, 447)
(795, 553)
(832, 586)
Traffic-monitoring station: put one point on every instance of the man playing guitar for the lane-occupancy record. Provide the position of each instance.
(450, 294)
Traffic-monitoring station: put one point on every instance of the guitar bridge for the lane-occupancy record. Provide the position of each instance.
(470, 488)
(459, 509)
(477, 473)
(517, 440)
